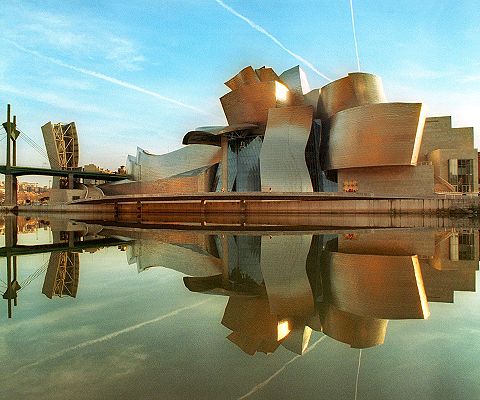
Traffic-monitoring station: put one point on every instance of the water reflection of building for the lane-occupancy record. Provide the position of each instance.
(187, 252)
(348, 285)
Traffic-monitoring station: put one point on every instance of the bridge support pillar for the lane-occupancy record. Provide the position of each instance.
(70, 181)
(11, 186)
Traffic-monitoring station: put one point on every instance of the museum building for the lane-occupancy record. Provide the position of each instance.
(284, 137)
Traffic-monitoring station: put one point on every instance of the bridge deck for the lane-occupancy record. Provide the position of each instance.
(20, 171)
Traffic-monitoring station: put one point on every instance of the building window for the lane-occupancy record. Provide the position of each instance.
(460, 175)
(462, 246)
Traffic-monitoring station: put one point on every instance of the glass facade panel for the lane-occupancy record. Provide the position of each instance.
(243, 165)
(460, 174)
(248, 166)
(466, 246)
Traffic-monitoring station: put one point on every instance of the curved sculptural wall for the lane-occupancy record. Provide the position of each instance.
(354, 90)
(282, 158)
(249, 103)
(153, 166)
(375, 135)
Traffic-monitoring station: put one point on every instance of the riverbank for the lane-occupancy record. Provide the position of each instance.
(263, 204)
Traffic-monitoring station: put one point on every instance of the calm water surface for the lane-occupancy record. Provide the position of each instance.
(129, 313)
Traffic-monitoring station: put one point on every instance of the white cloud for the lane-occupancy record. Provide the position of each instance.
(75, 37)
(55, 100)
(107, 78)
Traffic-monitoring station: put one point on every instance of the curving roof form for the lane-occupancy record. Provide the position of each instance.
(282, 158)
(356, 89)
(375, 135)
(146, 166)
(211, 135)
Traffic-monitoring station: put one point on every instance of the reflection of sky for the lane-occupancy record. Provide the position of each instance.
(187, 356)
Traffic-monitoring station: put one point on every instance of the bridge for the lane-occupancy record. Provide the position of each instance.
(12, 171)
(68, 173)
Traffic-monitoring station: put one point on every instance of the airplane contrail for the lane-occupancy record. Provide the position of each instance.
(267, 381)
(109, 336)
(358, 373)
(106, 78)
(354, 34)
(273, 39)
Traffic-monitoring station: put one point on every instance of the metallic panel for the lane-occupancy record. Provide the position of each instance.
(153, 166)
(356, 89)
(296, 81)
(197, 180)
(375, 135)
(283, 261)
(249, 104)
(245, 77)
(377, 286)
(266, 74)
(282, 159)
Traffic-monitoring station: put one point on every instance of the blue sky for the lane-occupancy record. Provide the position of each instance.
(145, 72)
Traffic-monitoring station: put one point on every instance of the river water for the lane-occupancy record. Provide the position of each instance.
(108, 310)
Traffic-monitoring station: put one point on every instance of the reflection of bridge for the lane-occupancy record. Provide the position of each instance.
(62, 269)
(22, 250)
(62, 153)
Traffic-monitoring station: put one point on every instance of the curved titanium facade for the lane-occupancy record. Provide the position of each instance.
(354, 90)
(282, 159)
(250, 103)
(148, 166)
(375, 135)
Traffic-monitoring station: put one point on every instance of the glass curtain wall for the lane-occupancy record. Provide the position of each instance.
(460, 174)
